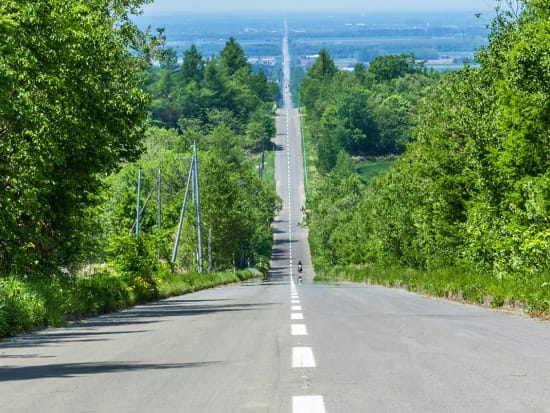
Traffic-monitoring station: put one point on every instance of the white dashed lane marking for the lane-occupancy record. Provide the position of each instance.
(308, 404)
(298, 330)
(302, 357)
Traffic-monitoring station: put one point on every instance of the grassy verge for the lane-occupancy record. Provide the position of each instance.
(269, 169)
(371, 168)
(531, 294)
(177, 284)
(30, 304)
(311, 154)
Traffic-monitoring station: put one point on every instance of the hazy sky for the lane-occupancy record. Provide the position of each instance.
(168, 6)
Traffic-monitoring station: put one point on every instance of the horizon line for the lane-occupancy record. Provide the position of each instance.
(317, 11)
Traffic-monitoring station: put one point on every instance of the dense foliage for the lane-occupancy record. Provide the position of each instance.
(370, 112)
(202, 94)
(237, 206)
(471, 189)
(228, 110)
(71, 111)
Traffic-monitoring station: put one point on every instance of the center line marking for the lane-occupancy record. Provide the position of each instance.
(308, 404)
(298, 329)
(296, 308)
(302, 357)
(295, 301)
(296, 316)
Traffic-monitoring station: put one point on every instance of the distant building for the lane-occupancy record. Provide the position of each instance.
(307, 60)
(269, 61)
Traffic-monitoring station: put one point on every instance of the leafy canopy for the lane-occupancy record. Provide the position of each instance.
(71, 111)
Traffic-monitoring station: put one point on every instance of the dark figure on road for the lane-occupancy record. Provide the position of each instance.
(299, 266)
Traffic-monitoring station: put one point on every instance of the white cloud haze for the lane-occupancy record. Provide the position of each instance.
(168, 6)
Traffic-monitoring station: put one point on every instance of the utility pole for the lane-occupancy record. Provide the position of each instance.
(193, 180)
(182, 213)
(198, 204)
(210, 262)
(135, 226)
(138, 209)
(262, 161)
(159, 212)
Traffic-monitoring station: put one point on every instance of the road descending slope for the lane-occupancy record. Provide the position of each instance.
(276, 346)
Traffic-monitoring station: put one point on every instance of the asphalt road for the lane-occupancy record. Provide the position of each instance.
(277, 346)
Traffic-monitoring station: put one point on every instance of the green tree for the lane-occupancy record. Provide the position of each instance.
(330, 208)
(393, 118)
(192, 68)
(323, 68)
(232, 58)
(517, 162)
(353, 110)
(315, 88)
(389, 67)
(71, 112)
(204, 94)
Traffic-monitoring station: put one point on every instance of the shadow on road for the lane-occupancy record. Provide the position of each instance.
(169, 308)
(91, 329)
(82, 369)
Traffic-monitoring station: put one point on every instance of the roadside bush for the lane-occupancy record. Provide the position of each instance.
(176, 284)
(56, 294)
(529, 292)
(50, 301)
(99, 293)
(134, 260)
(20, 309)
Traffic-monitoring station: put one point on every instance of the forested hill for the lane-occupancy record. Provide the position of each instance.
(465, 208)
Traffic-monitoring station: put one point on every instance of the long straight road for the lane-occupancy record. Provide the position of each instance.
(280, 347)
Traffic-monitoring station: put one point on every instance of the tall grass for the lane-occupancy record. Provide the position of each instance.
(27, 304)
(310, 149)
(177, 284)
(20, 307)
(530, 293)
(371, 168)
(269, 169)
